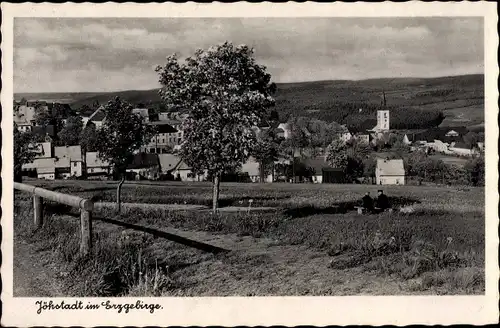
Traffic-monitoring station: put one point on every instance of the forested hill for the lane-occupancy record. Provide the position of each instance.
(414, 102)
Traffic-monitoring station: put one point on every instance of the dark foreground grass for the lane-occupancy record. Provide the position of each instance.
(436, 248)
(404, 244)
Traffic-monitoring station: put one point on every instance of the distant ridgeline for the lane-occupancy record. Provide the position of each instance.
(362, 116)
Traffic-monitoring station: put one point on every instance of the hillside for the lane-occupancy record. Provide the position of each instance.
(460, 98)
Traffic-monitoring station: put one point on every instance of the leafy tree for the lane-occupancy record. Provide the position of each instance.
(24, 151)
(226, 94)
(337, 154)
(71, 132)
(43, 117)
(274, 118)
(476, 171)
(85, 109)
(369, 166)
(96, 105)
(266, 151)
(471, 139)
(89, 140)
(122, 134)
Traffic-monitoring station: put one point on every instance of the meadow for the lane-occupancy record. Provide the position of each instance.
(313, 244)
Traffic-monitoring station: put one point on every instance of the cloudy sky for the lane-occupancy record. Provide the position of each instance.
(82, 54)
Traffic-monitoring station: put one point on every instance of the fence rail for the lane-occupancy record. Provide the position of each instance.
(86, 207)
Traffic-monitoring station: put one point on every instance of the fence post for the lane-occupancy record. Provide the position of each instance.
(37, 211)
(86, 231)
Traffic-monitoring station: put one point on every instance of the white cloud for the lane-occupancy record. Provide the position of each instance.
(111, 54)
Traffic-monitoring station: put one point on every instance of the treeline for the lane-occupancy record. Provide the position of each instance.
(422, 168)
(361, 116)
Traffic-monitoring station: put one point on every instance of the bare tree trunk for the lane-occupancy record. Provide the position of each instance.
(215, 200)
(118, 195)
(261, 171)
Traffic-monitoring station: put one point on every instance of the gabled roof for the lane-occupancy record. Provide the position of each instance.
(168, 121)
(97, 116)
(41, 163)
(44, 150)
(461, 145)
(45, 170)
(393, 167)
(168, 161)
(317, 164)
(163, 127)
(92, 160)
(143, 161)
(65, 154)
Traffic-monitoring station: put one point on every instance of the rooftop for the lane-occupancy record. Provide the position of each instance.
(389, 167)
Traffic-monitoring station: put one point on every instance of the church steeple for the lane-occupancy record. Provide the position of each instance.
(384, 102)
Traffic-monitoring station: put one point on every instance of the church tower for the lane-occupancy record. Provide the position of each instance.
(383, 120)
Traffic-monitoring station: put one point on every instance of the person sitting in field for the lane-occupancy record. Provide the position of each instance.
(367, 202)
(382, 201)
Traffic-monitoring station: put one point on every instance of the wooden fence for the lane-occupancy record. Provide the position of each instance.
(86, 207)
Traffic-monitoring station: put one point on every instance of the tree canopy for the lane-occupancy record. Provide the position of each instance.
(24, 151)
(70, 133)
(121, 135)
(225, 93)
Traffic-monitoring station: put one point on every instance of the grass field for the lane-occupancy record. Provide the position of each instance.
(313, 245)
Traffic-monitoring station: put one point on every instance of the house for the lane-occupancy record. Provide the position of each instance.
(42, 168)
(317, 165)
(142, 112)
(439, 146)
(343, 133)
(68, 161)
(47, 173)
(390, 171)
(97, 118)
(144, 165)
(44, 150)
(174, 165)
(166, 137)
(286, 130)
(252, 168)
(96, 167)
(452, 133)
(24, 117)
(462, 149)
(363, 138)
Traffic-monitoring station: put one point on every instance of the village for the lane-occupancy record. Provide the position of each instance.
(159, 160)
(267, 157)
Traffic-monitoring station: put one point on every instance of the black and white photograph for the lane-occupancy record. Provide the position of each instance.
(174, 157)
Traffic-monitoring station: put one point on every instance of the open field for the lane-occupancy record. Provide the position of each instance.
(313, 245)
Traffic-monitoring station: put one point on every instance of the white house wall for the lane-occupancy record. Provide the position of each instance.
(390, 180)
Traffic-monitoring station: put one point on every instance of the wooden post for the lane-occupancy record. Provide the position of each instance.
(86, 232)
(37, 211)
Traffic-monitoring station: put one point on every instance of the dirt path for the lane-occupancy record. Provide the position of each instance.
(34, 276)
(184, 207)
